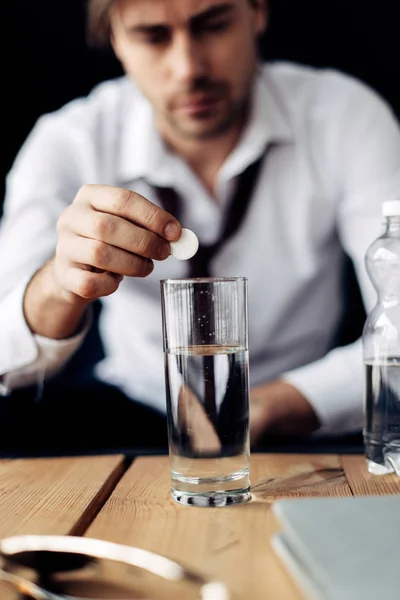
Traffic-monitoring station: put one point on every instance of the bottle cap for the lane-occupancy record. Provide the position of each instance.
(391, 208)
(186, 246)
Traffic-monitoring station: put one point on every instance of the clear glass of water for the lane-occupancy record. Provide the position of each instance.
(205, 334)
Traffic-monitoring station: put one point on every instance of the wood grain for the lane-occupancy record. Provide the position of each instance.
(230, 543)
(363, 483)
(53, 496)
(64, 495)
(296, 476)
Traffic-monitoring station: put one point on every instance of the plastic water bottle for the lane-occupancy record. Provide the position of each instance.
(381, 347)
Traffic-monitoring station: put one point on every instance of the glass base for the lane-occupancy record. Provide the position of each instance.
(378, 469)
(215, 499)
(392, 460)
(218, 481)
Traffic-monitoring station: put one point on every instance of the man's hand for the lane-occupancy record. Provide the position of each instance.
(108, 233)
(280, 409)
(105, 234)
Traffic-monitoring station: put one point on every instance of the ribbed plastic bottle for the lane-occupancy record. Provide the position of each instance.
(381, 349)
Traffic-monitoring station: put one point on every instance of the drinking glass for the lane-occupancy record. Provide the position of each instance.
(205, 333)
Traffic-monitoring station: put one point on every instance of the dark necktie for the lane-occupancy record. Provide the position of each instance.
(199, 265)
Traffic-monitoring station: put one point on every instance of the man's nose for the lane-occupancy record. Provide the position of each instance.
(187, 60)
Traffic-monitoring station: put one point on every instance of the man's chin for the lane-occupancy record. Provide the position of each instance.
(201, 130)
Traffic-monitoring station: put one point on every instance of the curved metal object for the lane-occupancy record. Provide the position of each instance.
(64, 553)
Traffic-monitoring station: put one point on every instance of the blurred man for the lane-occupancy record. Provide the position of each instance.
(278, 168)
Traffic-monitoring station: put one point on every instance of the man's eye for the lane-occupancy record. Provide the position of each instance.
(156, 37)
(216, 25)
(156, 40)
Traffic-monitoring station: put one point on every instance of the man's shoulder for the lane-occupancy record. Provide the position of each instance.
(301, 76)
(314, 87)
(103, 106)
(91, 122)
(105, 98)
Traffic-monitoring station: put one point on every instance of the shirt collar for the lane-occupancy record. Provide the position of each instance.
(144, 154)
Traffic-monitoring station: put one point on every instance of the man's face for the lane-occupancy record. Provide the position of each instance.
(193, 59)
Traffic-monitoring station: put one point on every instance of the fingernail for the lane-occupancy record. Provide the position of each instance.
(172, 230)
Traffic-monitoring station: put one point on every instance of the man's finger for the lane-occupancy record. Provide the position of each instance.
(118, 232)
(133, 207)
(104, 257)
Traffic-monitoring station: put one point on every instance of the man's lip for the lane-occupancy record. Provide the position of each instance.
(198, 104)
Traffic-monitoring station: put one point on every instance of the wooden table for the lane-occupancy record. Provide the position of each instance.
(104, 497)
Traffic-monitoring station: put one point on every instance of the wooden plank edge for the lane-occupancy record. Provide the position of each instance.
(95, 506)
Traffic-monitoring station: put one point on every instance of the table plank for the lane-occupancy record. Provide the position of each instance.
(54, 495)
(363, 483)
(231, 543)
(296, 476)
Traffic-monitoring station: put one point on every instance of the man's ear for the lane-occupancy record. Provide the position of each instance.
(113, 43)
(115, 24)
(261, 10)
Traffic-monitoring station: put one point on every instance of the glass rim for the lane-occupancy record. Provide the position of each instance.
(180, 280)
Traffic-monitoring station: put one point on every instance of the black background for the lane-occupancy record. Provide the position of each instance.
(47, 62)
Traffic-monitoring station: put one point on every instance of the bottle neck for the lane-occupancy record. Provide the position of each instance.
(393, 226)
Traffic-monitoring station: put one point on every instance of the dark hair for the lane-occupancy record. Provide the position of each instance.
(98, 21)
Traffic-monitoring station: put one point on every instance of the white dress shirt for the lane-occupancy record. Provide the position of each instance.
(333, 157)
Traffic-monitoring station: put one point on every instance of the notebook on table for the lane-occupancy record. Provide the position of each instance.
(341, 548)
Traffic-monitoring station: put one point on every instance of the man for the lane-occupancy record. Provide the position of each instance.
(89, 212)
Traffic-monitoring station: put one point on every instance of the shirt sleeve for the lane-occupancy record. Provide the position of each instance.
(43, 180)
(367, 172)
(30, 359)
(333, 386)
